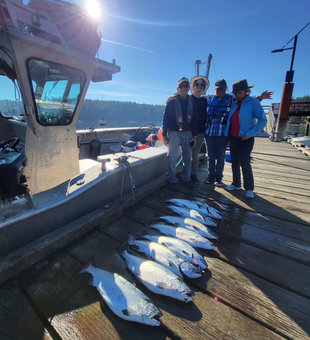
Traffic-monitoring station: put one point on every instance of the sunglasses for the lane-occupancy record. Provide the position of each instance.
(200, 84)
(183, 86)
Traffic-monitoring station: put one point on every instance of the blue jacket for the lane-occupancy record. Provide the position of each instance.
(250, 109)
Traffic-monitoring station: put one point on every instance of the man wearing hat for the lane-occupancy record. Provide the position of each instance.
(245, 120)
(218, 111)
(180, 127)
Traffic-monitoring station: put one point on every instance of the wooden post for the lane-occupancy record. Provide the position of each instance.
(284, 109)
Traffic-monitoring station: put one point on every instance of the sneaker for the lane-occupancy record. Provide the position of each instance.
(233, 187)
(173, 187)
(209, 181)
(188, 184)
(195, 179)
(249, 194)
(219, 184)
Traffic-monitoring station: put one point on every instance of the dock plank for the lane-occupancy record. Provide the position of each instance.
(17, 318)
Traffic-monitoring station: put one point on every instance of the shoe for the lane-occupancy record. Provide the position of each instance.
(219, 184)
(188, 184)
(249, 194)
(173, 187)
(209, 181)
(195, 179)
(233, 187)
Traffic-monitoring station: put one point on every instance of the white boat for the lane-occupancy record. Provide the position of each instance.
(51, 175)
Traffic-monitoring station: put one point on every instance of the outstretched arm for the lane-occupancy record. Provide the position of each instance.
(265, 95)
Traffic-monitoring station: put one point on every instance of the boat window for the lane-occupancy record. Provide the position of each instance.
(56, 90)
(11, 105)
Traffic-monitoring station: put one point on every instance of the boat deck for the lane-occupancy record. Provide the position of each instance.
(257, 285)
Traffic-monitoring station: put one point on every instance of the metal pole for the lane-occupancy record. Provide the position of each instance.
(293, 55)
(197, 63)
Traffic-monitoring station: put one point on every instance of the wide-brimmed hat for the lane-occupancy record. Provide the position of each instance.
(241, 85)
(183, 80)
(206, 81)
(220, 84)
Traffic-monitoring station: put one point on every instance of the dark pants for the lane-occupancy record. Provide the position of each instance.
(216, 156)
(240, 151)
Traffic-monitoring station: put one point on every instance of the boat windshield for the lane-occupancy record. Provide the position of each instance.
(56, 89)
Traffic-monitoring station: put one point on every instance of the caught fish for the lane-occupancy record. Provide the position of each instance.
(181, 248)
(123, 298)
(202, 208)
(190, 224)
(191, 213)
(157, 278)
(166, 258)
(194, 239)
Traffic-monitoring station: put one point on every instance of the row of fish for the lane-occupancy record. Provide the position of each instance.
(168, 259)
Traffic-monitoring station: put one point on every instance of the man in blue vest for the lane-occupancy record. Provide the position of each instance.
(180, 127)
(219, 107)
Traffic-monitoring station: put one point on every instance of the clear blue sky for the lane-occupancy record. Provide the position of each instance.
(157, 42)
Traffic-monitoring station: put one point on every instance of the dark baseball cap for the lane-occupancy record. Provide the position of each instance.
(221, 84)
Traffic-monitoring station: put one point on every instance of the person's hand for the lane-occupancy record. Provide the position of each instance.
(193, 140)
(170, 98)
(266, 95)
(165, 140)
(245, 137)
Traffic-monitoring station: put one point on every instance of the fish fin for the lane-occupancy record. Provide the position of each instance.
(171, 264)
(162, 285)
(129, 312)
(186, 252)
(87, 266)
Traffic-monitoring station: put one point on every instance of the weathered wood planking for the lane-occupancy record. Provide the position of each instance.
(278, 305)
(296, 191)
(279, 244)
(204, 318)
(18, 321)
(293, 230)
(73, 307)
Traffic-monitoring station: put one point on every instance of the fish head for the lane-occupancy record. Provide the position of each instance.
(188, 269)
(188, 295)
(195, 214)
(151, 313)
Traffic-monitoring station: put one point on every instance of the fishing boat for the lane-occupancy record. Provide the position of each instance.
(102, 122)
(51, 175)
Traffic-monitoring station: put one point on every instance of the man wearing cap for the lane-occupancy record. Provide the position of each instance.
(245, 120)
(180, 127)
(219, 107)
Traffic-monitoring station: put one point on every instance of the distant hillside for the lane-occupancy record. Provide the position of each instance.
(118, 113)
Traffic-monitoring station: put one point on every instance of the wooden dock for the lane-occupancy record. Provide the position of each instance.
(257, 285)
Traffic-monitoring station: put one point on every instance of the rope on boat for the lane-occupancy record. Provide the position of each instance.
(123, 162)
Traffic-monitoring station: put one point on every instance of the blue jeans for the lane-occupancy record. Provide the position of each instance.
(240, 151)
(177, 138)
(216, 156)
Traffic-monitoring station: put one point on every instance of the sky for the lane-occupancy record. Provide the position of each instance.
(157, 42)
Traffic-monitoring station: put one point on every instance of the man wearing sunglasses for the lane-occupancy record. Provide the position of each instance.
(180, 127)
